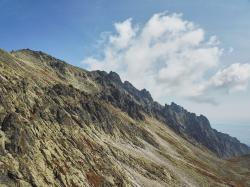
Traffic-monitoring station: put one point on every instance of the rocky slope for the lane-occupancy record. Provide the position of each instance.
(64, 126)
(195, 129)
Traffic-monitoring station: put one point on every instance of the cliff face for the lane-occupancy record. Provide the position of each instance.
(64, 126)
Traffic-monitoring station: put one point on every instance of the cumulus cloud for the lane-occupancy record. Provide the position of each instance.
(125, 34)
(226, 81)
(231, 79)
(169, 56)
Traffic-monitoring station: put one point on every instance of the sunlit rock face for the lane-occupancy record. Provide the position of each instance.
(65, 126)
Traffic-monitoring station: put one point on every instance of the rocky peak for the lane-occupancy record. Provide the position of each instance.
(29, 53)
(114, 77)
(176, 108)
(143, 96)
(146, 94)
(41, 57)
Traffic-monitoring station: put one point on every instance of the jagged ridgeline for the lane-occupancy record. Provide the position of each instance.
(65, 126)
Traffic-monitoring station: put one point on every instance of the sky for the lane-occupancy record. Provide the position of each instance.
(192, 52)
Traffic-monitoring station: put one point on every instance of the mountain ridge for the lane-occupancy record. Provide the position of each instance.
(144, 98)
(65, 126)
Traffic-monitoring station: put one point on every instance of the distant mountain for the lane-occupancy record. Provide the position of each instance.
(65, 126)
(239, 130)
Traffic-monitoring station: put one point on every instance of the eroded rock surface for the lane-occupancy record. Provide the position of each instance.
(64, 126)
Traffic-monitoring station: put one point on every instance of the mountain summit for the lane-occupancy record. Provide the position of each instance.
(65, 126)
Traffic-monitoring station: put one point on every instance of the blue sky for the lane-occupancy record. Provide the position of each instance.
(71, 30)
(68, 29)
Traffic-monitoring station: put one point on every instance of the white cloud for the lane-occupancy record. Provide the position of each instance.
(231, 79)
(125, 35)
(168, 56)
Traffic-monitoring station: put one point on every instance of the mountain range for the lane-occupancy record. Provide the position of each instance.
(65, 126)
